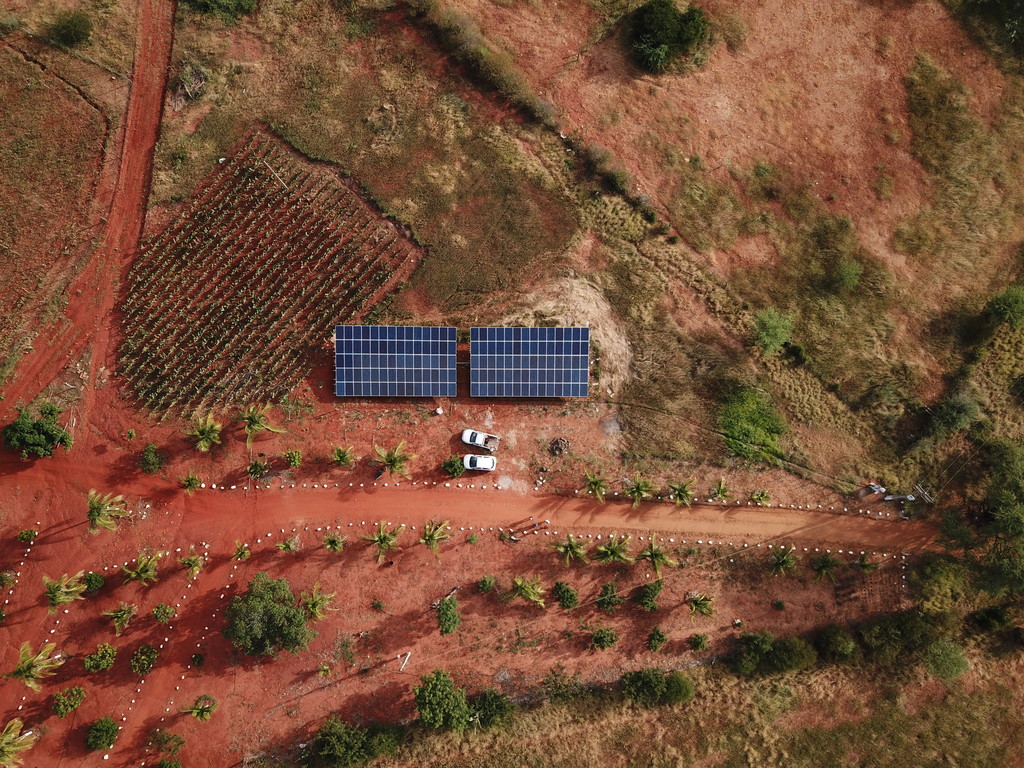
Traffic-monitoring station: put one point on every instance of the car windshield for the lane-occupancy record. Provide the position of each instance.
(472, 461)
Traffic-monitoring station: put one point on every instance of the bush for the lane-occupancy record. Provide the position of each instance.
(339, 744)
(226, 9)
(267, 619)
(678, 688)
(102, 659)
(144, 658)
(439, 703)
(560, 687)
(94, 582)
(293, 459)
(491, 707)
(656, 640)
(660, 33)
(67, 701)
(27, 535)
(1008, 307)
(163, 613)
(453, 466)
(168, 764)
(955, 414)
(992, 619)
(37, 437)
(945, 659)
(70, 28)
(895, 636)
(699, 642)
(791, 654)
(448, 617)
(609, 598)
(151, 461)
(772, 330)
(749, 651)
(647, 595)
(486, 584)
(645, 687)
(604, 638)
(165, 743)
(102, 734)
(751, 426)
(835, 644)
(565, 595)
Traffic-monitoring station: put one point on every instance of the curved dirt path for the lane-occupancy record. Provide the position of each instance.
(88, 312)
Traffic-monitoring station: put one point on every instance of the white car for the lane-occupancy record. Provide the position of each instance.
(480, 439)
(481, 463)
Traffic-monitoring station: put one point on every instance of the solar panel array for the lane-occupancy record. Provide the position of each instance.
(529, 362)
(394, 361)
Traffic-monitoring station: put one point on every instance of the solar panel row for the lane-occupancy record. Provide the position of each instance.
(529, 362)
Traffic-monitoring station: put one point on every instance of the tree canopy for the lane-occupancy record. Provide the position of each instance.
(267, 619)
(661, 33)
(38, 437)
(440, 703)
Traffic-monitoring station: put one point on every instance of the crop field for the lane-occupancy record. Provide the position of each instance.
(227, 303)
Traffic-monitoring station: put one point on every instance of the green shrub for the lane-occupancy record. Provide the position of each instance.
(70, 28)
(338, 743)
(565, 595)
(751, 425)
(604, 638)
(561, 687)
(226, 9)
(660, 33)
(608, 600)
(37, 436)
(144, 658)
(699, 642)
(1008, 307)
(165, 763)
(9, 25)
(440, 703)
(772, 330)
(267, 619)
(992, 619)
(448, 616)
(151, 461)
(647, 595)
(835, 644)
(492, 708)
(454, 466)
(945, 659)
(749, 651)
(678, 688)
(656, 640)
(67, 701)
(895, 636)
(163, 613)
(645, 687)
(791, 654)
(486, 584)
(165, 743)
(258, 469)
(93, 582)
(293, 459)
(102, 659)
(102, 734)
(955, 414)
(27, 535)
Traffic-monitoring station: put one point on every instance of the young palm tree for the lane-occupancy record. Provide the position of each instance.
(13, 742)
(242, 552)
(203, 708)
(289, 545)
(760, 497)
(656, 555)
(615, 550)
(528, 589)
(191, 482)
(596, 486)
(395, 459)
(701, 603)
(638, 490)
(145, 570)
(865, 563)
(121, 616)
(782, 561)
(384, 540)
(317, 603)
(345, 457)
(32, 667)
(334, 542)
(64, 590)
(824, 566)
(433, 534)
(206, 433)
(104, 511)
(720, 491)
(192, 563)
(681, 493)
(258, 469)
(571, 549)
(254, 420)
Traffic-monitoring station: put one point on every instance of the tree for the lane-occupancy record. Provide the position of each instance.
(121, 616)
(448, 616)
(38, 437)
(571, 549)
(64, 590)
(267, 619)
(528, 589)
(434, 533)
(490, 707)
(102, 734)
(202, 709)
(395, 460)
(615, 550)
(700, 603)
(67, 701)
(656, 640)
(345, 457)
(645, 687)
(1008, 307)
(749, 651)
(13, 742)
(163, 613)
(596, 486)
(192, 563)
(191, 482)
(317, 603)
(791, 654)
(454, 466)
(656, 555)
(945, 659)
(865, 563)
(565, 595)
(720, 491)
(678, 688)
(338, 744)
(772, 330)
(205, 433)
(226, 9)
(603, 638)
(638, 490)
(255, 420)
(609, 599)
(782, 561)
(647, 594)
(384, 539)
(102, 659)
(293, 459)
(699, 642)
(151, 461)
(835, 644)
(33, 667)
(660, 33)
(165, 743)
(70, 28)
(681, 493)
(144, 659)
(334, 542)
(440, 703)
(146, 568)
(104, 511)
(824, 566)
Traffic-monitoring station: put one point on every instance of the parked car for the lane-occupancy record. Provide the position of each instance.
(480, 439)
(481, 463)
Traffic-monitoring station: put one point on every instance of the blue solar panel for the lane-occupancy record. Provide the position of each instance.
(394, 361)
(529, 362)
